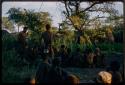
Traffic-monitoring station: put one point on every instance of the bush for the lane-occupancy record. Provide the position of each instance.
(8, 41)
(117, 47)
(13, 69)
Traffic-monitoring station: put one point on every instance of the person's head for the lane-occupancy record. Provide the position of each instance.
(87, 51)
(63, 47)
(48, 26)
(25, 29)
(104, 77)
(97, 49)
(73, 80)
(55, 49)
(45, 56)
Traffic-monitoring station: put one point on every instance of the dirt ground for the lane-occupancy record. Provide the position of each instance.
(86, 75)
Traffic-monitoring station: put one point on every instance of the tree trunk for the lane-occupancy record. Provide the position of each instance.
(18, 28)
(78, 35)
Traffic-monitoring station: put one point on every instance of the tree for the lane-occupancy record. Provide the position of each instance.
(115, 19)
(35, 21)
(15, 15)
(79, 18)
(7, 24)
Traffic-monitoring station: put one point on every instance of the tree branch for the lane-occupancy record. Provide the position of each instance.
(70, 19)
(77, 7)
(94, 19)
(82, 25)
(101, 10)
(65, 2)
(91, 6)
(70, 8)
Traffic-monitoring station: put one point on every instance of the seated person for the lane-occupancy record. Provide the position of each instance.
(56, 51)
(63, 54)
(42, 71)
(111, 76)
(56, 73)
(69, 52)
(89, 56)
(73, 80)
(116, 74)
(104, 78)
(77, 58)
(97, 58)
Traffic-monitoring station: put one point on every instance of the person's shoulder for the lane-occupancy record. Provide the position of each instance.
(118, 73)
(20, 33)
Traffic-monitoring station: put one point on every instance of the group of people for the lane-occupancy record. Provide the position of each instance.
(78, 58)
(50, 70)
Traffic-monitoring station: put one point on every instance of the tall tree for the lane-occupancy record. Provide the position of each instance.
(78, 16)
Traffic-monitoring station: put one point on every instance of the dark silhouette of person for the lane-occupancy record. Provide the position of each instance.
(89, 57)
(22, 47)
(43, 70)
(22, 37)
(115, 71)
(77, 58)
(63, 55)
(56, 73)
(78, 35)
(47, 36)
(97, 58)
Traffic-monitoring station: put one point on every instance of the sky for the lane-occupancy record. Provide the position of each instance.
(54, 8)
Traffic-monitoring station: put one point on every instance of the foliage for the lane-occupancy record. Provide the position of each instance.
(116, 47)
(13, 68)
(8, 41)
(35, 21)
(96, 34)
(118, 33)
(75, 12)
(7, 24)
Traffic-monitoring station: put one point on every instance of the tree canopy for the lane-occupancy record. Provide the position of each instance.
(35, 21)
(6, 23)
(79, 16)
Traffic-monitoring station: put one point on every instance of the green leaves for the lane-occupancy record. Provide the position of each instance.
(35, 21)
(7, 23)
(29, 18)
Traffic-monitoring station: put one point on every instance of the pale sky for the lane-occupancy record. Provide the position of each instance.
(54, 8)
